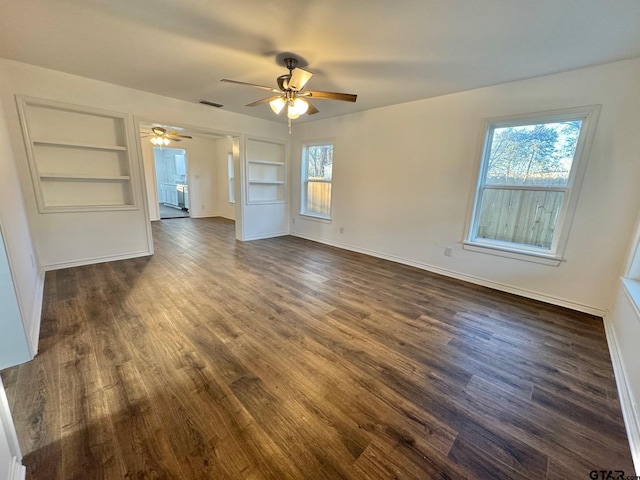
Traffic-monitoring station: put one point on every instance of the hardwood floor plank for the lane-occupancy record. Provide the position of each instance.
(86, 429)
(34, 399)
(550, 432)
(483, 467)
(285, 359)
(493, 449)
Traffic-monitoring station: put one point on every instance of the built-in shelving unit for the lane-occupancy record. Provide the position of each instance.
(79, 157)
(264, 162)
(59, 176)
(52, 143)
(265, 171)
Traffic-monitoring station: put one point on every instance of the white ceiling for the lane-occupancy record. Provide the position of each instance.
(385, 51)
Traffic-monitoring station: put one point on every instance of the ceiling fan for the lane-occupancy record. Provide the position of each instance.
(160, 136)
(290, 92)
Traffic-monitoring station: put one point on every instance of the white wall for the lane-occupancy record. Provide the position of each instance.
(224, 147)
(404, 175)
(203, 176)
(65, 239)
(14, 348)
(10, 456)
(150, 184)
(623, 333)
(622, 324)
(28, 280)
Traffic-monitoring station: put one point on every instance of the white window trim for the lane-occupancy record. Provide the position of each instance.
(631, 278)
(305, 181)
(315, 218)
(231, 176)
(555, 255)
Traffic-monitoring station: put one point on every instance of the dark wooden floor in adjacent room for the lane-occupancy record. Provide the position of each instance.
(286, 359)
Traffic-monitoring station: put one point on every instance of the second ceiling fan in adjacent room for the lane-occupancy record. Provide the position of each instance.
(160, 137)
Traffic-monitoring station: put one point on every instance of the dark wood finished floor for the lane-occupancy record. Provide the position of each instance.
(171, 212)
(286, 359)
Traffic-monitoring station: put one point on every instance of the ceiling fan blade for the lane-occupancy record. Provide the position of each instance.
(299, 78)
(311, 109)
(263, 101)
(275, 90)
(344, 97)
(176, 134)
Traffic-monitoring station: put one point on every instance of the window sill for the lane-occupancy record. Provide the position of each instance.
(515, 254)
(315, 218)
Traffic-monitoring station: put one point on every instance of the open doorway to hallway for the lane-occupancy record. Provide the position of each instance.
(191, 173)
(172, 182)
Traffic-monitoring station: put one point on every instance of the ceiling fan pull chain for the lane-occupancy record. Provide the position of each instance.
(289, 126)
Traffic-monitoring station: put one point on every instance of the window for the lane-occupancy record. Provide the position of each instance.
(528, 183)
(633, 270)
(232, 190)
(317, 169)
(632, 278)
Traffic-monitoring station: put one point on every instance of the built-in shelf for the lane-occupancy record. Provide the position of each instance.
(87, 167)
(265, 162)
(266, 182)
(61, 176)
(266, 172)
(267, 202)
(88, 146)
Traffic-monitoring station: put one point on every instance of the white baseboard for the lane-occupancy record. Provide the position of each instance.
(629, 413)
(91, 261)
(210, 215)
(463, 276)
(266, 235)
(203, 215)
(36, 315)
(17, 471)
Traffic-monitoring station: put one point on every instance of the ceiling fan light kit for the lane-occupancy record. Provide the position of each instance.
(277, 104)
(160, 141)
(289, 93)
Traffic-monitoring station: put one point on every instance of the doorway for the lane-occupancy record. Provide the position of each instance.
(172, 182)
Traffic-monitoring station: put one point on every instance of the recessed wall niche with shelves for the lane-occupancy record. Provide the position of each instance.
(266, 174)
(79, 157)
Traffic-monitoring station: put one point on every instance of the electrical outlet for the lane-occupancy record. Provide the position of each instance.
(202, 207)
(293, 220)
(341, 229)
(447, 251)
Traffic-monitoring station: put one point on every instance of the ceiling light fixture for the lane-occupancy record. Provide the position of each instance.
(160, 141)
(290, 93)
(277, 105)
(300, 105)
(296, 105)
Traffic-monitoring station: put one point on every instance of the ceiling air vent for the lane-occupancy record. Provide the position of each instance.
(211, 104)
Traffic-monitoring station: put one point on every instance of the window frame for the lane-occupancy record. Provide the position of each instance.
(231, 177)
(554, 255)
(305, 179)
